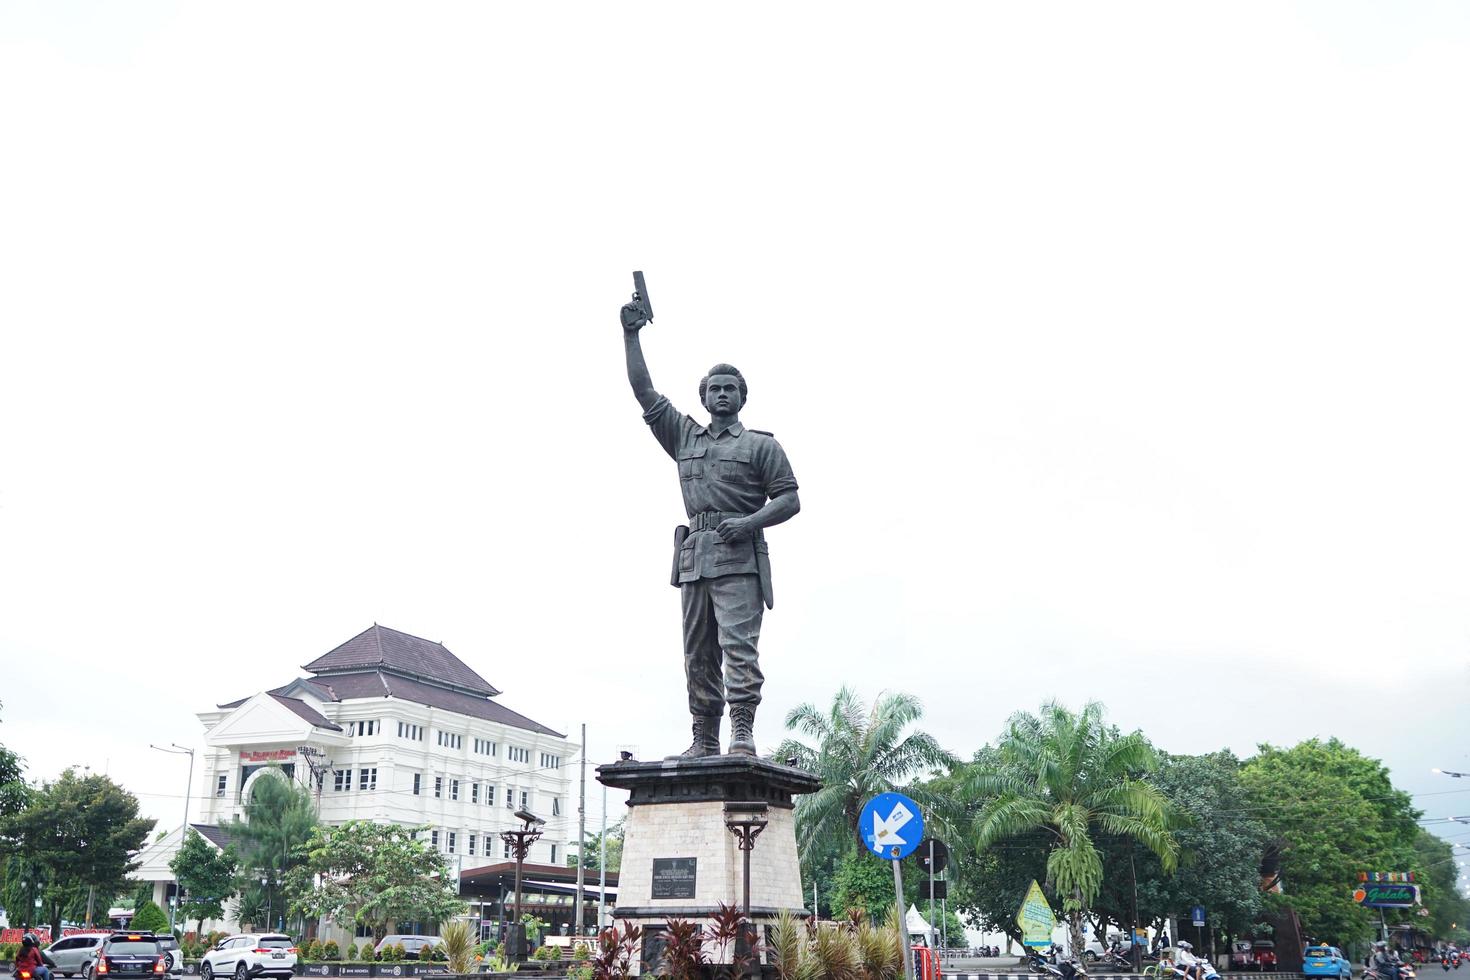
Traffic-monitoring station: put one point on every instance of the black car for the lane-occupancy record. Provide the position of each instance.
(130, 954)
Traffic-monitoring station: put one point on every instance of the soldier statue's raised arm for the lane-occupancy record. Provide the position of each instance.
(736, 483)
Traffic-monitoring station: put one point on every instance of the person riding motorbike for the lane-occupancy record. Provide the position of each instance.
(31, 958)
(1186, 962)
(1384, 963)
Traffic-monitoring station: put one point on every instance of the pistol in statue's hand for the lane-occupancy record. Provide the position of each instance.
(733, 529)
(633, 316)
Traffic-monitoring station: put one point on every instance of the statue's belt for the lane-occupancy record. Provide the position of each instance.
(709, 520)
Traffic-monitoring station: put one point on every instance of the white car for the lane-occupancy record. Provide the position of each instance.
(268, 954)
(74, 952)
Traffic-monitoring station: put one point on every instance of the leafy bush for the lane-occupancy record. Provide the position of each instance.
(331, 951)
(581, 951)
(352, 952)
(7, 951)
(580, 972)
(399, 953)
(149, 918)
(547, 953)
(311, 950)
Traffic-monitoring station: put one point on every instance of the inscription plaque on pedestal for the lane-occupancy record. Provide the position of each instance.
(674, 877)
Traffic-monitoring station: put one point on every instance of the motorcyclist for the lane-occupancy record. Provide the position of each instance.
(32, 958)
(1187, 963)
(1384, 963)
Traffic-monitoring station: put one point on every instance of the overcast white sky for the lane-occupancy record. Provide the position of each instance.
(1119, 349)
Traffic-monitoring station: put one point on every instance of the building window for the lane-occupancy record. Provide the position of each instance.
(505, 848)
(413, 733)
(483, 746)
(454, 789)
(474, 792)
(472, 845)
(362, 728)
(418, 779)
(219, 787)
(433, 838)
(556, 806)
(341, 780)
(367, 778)
(451, 842)
(553, 853)
(525, 800)
(510, 798)
(450, 740)
(438, 787)
(517, 754)
(550, 761)
(489, 794)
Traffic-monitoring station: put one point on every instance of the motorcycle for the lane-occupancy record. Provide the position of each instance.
(1067, 969)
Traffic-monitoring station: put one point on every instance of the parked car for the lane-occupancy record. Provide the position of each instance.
(127, 954)
(72, 953)
(169, 943)
(414, 947)
(268, 954)
(1265, 954)
(1242, 956)
(1326, 961)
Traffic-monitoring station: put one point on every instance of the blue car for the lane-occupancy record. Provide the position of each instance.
(1326, 961)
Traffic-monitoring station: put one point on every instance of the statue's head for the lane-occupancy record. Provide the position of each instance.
(724, 381)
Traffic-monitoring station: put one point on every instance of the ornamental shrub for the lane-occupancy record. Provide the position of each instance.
(351, 952)
(399, 953)
(331, 951)
(149, 918)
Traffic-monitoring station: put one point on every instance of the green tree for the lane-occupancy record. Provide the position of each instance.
(75, 834)
(1335, 813)
(206, 876)
(859, 753)
(269, 843)
(863, 882)
(148, 917)
(592, 853)
(1435, 868)
(372, 874)
(1221, 843)
(1073, 777)
(13, 790)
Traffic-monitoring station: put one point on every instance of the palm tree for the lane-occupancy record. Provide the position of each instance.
(1070, 775)
(270, 841)
(859, 753)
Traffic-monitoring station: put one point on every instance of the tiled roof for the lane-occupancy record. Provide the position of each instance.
(216, 835)
(376, 684)
(381, 647)
(304, 710)
(297, 706)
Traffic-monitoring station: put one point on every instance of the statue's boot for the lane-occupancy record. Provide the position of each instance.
(742, 726)
(706, 738)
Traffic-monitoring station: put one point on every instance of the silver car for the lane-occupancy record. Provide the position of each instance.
(72, 953)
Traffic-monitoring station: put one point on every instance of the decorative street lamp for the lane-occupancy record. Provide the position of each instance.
(520, 842)
(1451, 772)
(746, 821)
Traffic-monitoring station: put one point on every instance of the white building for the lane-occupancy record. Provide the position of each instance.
(400, 731)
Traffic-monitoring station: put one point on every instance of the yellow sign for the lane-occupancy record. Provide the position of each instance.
(1035, 918)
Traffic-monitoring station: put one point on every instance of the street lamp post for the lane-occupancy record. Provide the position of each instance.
(520, 842)
(177, 749)
(1451, 772)
(746, 821)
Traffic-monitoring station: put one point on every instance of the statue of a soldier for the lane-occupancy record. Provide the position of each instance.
(736, 483)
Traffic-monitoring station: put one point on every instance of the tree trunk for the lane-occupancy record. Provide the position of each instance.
(1079, 947)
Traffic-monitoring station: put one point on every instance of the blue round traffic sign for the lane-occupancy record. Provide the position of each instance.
(891, 826)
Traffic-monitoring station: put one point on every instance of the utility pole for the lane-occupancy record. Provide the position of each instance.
(580, 927)
(602, 863)
(178, 749)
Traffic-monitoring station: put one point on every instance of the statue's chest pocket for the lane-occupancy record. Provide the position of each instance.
(691, 463)
(736, 467)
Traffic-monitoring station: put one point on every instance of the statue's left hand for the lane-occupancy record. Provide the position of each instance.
(733, 529)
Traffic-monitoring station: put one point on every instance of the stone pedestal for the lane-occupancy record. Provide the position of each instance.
(680, 861)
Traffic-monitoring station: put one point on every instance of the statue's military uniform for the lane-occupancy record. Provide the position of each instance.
(722, 473)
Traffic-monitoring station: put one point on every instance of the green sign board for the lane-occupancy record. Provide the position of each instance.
(1386, 895)
(1035, 918)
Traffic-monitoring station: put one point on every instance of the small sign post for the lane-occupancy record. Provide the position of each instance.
(892, 825)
